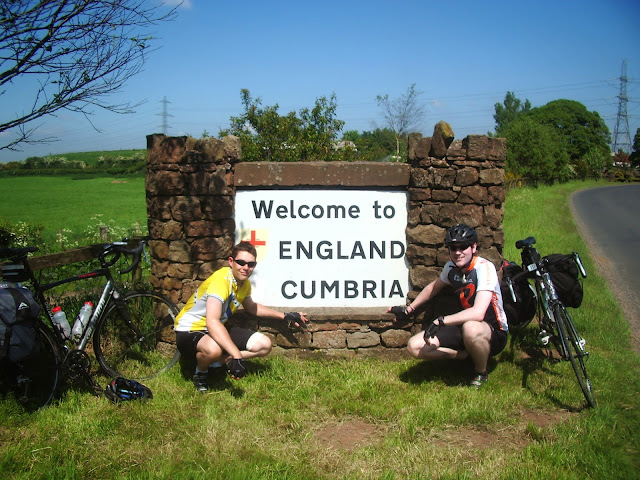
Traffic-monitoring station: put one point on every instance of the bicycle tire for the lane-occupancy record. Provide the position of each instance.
(33, 382)
(121, 354)
(574, 351)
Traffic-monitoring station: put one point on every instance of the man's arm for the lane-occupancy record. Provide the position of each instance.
(476, 313)
(217, 330)
(259, 310)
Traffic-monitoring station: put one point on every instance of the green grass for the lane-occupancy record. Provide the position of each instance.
(300, 418)
(74, 207)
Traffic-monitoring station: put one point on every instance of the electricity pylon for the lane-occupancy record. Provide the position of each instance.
(621, 136)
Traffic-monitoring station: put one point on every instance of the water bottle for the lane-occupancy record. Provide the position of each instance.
(83, 318)
(60, 320)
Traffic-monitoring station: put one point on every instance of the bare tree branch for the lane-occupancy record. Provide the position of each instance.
(402, 114)
(74, 53)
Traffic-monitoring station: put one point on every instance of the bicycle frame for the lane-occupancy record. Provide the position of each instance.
(553, 318)
(107, 293)
(110, 293)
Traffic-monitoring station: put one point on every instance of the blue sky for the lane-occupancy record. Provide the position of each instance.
(463, 56)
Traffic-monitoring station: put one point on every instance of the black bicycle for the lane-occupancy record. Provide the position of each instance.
(134, 336)
(556, 327)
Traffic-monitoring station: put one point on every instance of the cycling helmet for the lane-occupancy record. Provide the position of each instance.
(122, 389)
(460, 233)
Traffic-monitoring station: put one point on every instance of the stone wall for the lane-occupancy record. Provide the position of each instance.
(190, 201)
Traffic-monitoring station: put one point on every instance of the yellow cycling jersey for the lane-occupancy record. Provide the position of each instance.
(220, 285)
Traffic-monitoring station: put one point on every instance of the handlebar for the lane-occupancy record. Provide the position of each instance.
(119, 248)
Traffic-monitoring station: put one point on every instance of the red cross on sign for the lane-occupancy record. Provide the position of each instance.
(254, 241)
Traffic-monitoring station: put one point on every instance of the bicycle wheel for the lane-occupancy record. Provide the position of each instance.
(33, 382)
(142, 346)
(575, 353)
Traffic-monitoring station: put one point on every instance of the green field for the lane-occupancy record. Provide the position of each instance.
(365, 418)
(75, 207)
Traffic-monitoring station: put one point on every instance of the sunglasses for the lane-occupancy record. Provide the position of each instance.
(242, 263)
(459, 247)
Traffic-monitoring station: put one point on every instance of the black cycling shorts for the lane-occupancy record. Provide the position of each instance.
(187, 342)
(450, 336)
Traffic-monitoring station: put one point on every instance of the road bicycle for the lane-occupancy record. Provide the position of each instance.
(132, 331)
(556, 327)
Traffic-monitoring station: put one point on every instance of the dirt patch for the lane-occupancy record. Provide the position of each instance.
(120, 181)
(351, 434)
(347, 435)
(511, 437)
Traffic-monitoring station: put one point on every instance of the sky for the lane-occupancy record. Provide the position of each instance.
(462, 56)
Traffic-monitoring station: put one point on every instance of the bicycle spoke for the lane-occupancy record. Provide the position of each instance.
(142, 345)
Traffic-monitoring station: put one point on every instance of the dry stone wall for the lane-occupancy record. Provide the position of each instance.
(190, 190)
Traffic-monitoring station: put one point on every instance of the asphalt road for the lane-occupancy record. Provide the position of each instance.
(608, 218)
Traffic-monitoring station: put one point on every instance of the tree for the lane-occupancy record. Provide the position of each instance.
(535, 151)
(634, 158)
(377, 145)
(266, 135)
(73, 54)
(509, 111)
(403, 114)
(580, 129)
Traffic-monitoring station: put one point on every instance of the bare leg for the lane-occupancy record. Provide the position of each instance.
(477, 338)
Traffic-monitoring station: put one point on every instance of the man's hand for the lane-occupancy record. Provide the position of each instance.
(296, 319)
(400, 313)
(431, 330)
(236, 368)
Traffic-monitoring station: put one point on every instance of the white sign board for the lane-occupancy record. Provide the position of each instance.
(326, 248)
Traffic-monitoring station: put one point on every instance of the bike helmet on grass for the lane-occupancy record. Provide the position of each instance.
(460, 233)
(122, 389)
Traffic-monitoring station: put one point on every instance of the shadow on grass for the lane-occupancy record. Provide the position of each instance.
(450, 372)
(218, 379)
(526, 352)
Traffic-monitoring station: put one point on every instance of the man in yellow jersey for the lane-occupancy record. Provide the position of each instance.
(479, 329)
(200, 325)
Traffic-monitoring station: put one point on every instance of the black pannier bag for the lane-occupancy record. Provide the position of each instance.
(19, 311)
(564, 275)
(523, 310)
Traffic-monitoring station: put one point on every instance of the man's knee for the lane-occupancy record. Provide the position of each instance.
(260, 344)
(414, 345)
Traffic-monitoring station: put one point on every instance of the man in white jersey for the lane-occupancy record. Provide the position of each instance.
(479, 329)
(200, 325)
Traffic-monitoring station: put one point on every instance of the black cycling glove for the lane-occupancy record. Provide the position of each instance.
(292, 318)
(236, 367)
(400, 313)
(431, 330)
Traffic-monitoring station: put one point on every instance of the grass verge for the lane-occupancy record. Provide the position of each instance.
(367, 418)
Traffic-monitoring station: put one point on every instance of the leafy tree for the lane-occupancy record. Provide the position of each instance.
(374, 146)
(73, 54)
(403, 114)
(634, 158)
(582, 131)
(508, 111)
(535, 151)
(266, 135)
(595, 163)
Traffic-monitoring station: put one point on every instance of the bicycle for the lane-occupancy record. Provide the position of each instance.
(132, 331)
(556, 326)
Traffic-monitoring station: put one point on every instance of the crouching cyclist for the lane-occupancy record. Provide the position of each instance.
(479, 329)
(200, 325)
